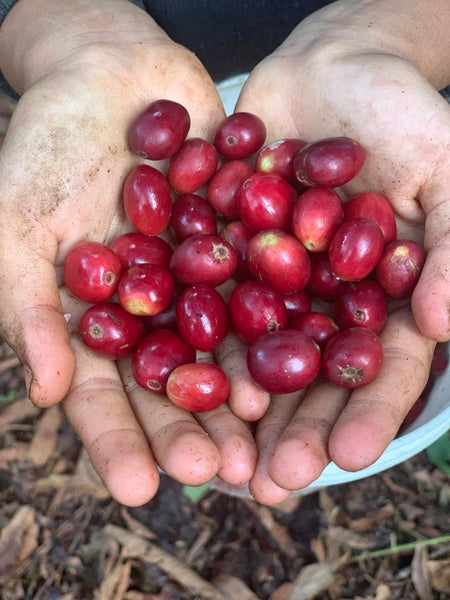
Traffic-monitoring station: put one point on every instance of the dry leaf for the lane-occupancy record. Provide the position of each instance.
(319, 550)
(85, 480)
(291, 503)
(18, 540)
(398, 489)
(55, 481)
(18, 452)
(198, 546)
(134, 546)
(351, 540)
(233, 588)
(312, 580)
(284, 592)
(367, 523)
(439, 575)
(278, 532)
(328, 506)
(18, 411)
(383, 592)
(136, 526)
(11, 361)
(115, 583)
(45, 437)
(419, 575)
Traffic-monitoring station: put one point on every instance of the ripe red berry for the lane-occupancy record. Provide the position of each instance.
(266, 202)
(109, 330)
(156, 356)
(374, 207)
(166, 319)
(296, 303)
(276, 226)
(240, 135)
(147, 199)
(135, 248)
(203, 258)
(399, 268)
(330, 162)
(352, 357)
(279, 259)
(439, 361)
(284, 361)
(361, 304)
(322, 282)
(316, 324)
(192, 214)
(256, 308)
(238, 235)
(316, 217)
(278, 157)
(159, 131)
(355, 249)
(145, 290)
(202, 317)
(198, 387)
(224, 185)
(192, 166)
(414, 412)
(92, 271)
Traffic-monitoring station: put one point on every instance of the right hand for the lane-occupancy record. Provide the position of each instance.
(62, 166)
(329, 78)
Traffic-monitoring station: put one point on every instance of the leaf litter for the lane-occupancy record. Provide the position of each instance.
(63, 537)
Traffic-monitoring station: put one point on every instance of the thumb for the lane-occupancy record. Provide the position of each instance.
(264, 94)
(31, 316)
(431, 297)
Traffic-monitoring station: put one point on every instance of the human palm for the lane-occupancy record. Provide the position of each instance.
(63, 164)
(310, 92)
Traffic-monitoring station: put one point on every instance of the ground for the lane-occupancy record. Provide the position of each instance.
(63, 537)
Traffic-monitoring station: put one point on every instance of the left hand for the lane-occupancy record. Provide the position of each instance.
(62, 168)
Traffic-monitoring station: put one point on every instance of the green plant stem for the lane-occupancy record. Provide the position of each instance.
(400, 549)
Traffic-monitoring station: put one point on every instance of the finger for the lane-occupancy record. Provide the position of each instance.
(100, 413)
(247, 399)
(375, 411)
(269, 430)
(232, 437)
(235, 443)
(31, 316)
(431, 297)
(302, 452)
(180, 445)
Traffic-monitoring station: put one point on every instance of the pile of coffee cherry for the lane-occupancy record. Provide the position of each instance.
(238, 236)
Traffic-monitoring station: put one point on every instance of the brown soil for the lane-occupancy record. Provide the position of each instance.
(63, 537)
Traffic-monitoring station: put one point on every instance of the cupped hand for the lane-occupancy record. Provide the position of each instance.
(312, 89)
(62, 167)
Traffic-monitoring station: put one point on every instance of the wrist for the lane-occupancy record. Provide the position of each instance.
(37, 36)
(413, 30)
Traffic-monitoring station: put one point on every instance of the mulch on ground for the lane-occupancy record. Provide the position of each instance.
(64, 538)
